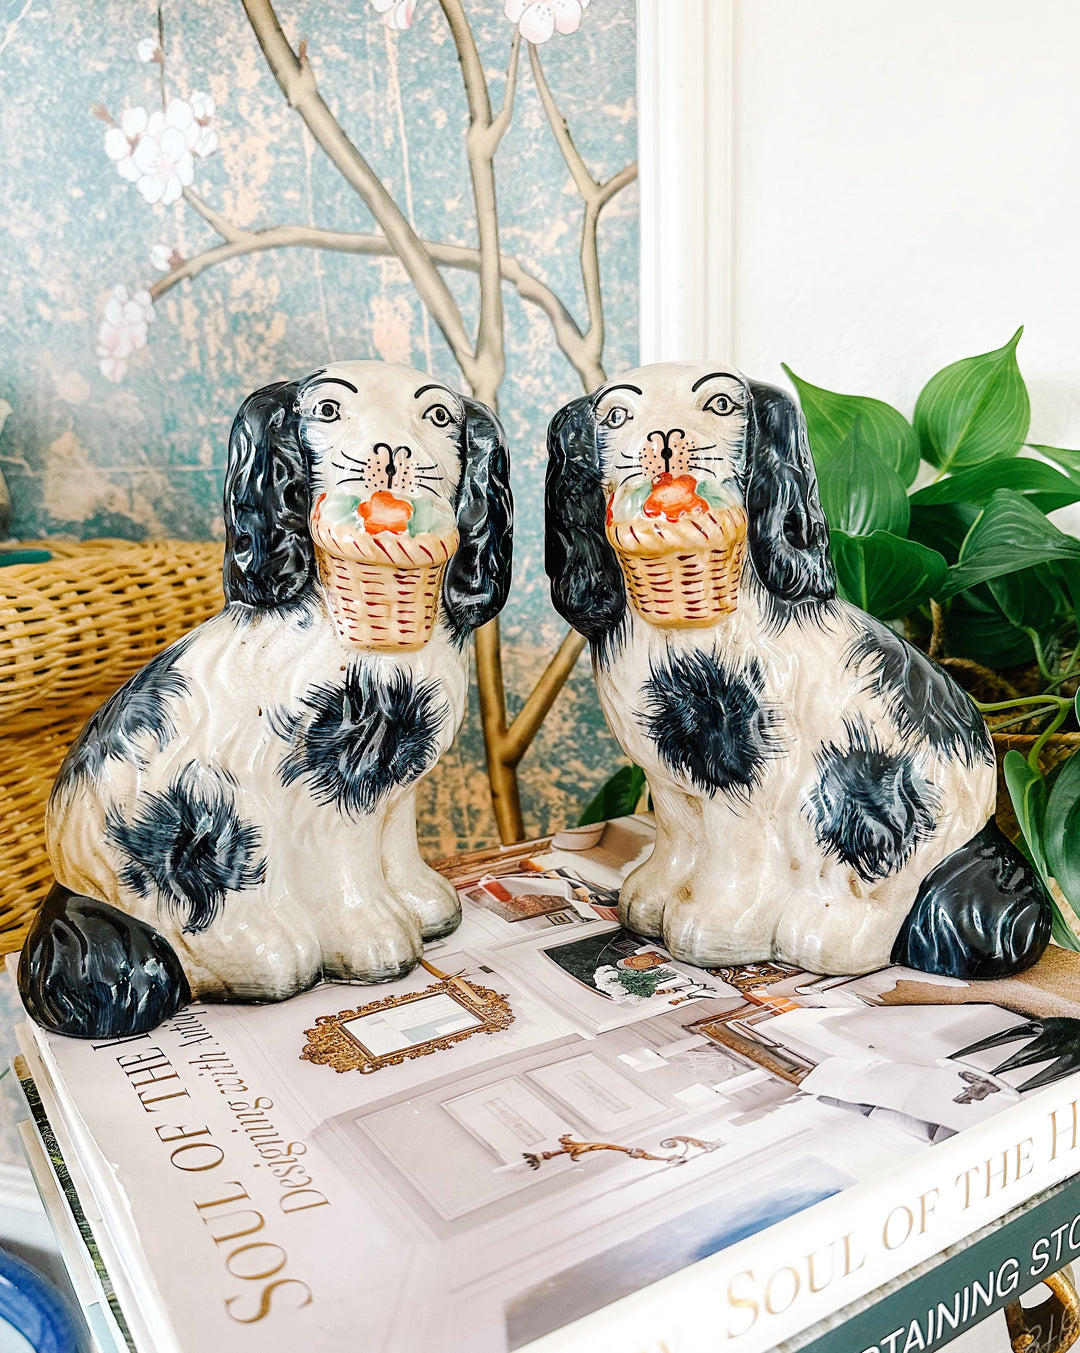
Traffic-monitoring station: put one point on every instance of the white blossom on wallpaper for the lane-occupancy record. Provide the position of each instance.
(123, 330)
(537, 20)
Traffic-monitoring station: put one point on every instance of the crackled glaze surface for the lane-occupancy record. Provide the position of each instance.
(820, 786)
(249, 797)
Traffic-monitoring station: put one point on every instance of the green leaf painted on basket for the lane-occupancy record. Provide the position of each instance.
(1042, 485)
(860, 493)
(1027, 790)
(975, 410)
(1010, 534)
(885, 574)
(618, 796)
(830, 418)
(1061, 831)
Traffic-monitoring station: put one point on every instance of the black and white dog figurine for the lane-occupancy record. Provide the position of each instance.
(239, 820)
(823, 791)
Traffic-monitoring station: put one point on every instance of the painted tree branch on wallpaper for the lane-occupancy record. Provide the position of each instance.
(157, 153)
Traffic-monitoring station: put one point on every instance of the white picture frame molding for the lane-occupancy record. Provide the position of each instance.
(685, 82)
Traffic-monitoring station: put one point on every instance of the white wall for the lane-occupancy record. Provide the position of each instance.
(894, 186)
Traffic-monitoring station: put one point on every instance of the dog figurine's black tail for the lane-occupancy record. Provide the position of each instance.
(91, 971)
(981, 913)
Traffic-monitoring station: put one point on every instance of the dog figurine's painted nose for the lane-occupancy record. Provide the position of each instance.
(393, 461)
(660, 449)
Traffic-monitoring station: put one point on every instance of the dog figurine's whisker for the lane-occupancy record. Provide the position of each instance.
(328, 687)
(823, 791)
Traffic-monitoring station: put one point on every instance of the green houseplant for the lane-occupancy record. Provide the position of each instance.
(939, 527)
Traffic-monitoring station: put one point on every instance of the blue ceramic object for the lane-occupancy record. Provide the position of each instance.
(34, 1307)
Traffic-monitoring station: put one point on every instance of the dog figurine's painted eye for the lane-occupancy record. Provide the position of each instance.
(721, 404)
(327, 411)
(440, 415)
(616, 417)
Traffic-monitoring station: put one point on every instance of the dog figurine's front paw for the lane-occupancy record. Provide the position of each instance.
(432, 899)
(374, 938)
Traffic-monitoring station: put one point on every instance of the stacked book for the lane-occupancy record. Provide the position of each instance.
(553, 1136)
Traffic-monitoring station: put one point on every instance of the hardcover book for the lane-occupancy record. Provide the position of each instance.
(554, 1136)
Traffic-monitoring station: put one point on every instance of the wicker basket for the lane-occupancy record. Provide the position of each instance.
(383, 589)
(72, 631)
(685, 573)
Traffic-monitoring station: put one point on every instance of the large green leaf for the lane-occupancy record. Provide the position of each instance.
(1033, 598)
(975, 410)
(885, 574)
(830, 417)
(1039, 483)
(975, 628)
(618, 796)
(1060, 455)
(859, 492)
(943, 528)
(1027, 789)
(1010, 534)
(1067, 574)
(1061, 831)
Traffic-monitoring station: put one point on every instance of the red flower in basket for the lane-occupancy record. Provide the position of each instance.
(384, 512)
(674, 498)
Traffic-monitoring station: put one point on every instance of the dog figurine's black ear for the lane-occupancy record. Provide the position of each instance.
(787, 532)
(269, 557)
(586, 581)
(477, 579)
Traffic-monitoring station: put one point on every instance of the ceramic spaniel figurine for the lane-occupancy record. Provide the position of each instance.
(823, 791)
(239, 820)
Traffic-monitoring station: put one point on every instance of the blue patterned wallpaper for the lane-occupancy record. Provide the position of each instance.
(122, 170)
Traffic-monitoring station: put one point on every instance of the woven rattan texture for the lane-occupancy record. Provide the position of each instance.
(71, 632)
(383, 608)
(682, 574)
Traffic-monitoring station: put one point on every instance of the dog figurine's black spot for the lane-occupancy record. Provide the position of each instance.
(870, 806)
(353, 742)
(710, 724)
(190, 844)
(141, 709)
(922, 700)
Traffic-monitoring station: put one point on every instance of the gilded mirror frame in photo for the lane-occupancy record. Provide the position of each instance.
(331, 1044)
(760, 1050)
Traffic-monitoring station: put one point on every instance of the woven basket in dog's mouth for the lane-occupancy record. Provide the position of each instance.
(683, 573)
(383, 589)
